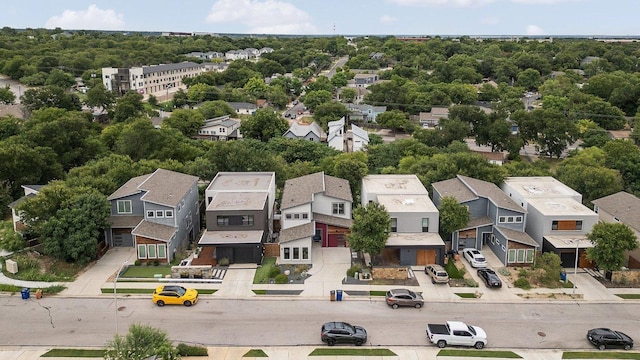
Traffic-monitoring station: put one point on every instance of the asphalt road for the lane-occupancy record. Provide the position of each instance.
(53, 321)
(17, 88)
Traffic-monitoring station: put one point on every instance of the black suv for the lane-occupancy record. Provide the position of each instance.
(342, 332)
(604, 338)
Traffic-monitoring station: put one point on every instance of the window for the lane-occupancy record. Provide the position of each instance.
(124, 206)
(159, 213)
(511, 256)
(337, 208)
(296, 253)
(151, 248)
(305, 216)
(502, 219)
(287, 216)
(521, 254)
(425, 225)
(168, 213)
(394, 225)
(530, 255)
(235, 220)
(162, 251)
(286, 253)
(305, 253)
(518, 219)
(510, 219)
(151, 214)
(564, 225)
(142, 251)
(296, 216)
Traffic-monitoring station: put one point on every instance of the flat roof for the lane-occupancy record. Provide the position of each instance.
(560, 207)
(231, 237)
(393, 184)
(407, 203)
(414, 239)
(241, 181)
(236, 201)
(569, 241)
(540, 186)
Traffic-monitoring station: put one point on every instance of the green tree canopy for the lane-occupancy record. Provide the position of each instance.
(263, 125)
(140, 343)
(187, 121)
(611, 242)
(453, 216)
(370, 229)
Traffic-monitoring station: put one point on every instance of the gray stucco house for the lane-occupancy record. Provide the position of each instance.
(157, 213)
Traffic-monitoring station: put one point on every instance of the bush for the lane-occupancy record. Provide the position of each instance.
(224, 262)
(471, 283)
(156, 263)
(188, 350)
(353, 270)
(523, 273)
(274, 271)
(137, 262)
(522, 283)
(282, 279)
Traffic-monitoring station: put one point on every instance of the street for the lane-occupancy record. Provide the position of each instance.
(17, 88)
(55, 321)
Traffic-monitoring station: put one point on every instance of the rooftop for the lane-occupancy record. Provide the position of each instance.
(414, 239)
(238, 201)
(242, 181)
(540, 187)
(407, 203)
(393, 184)
(560, 207)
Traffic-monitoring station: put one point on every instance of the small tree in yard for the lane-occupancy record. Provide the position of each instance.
(453, 216)
(140, 343)
(550, 267)
(370, 229)
(610, 241)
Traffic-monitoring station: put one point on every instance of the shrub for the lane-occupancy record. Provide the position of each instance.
(471, 282)
(301, 268)
(353, 270)
(188, 350)
(523, 273)
(137, 262)
(522, 283)
(274, 271)
(504, 271)
(156, 263)
(282, 279)
(224, 262)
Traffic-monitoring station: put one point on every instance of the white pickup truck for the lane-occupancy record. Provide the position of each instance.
(456, 333)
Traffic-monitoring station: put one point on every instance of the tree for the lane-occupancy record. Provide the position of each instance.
(7, 96)
(50, 96)
(370, 229)
(453, 216)
(611, 241)
(314, 98)
(339, 79)
(395, 120)
(348, 95)
(213, 109)
(99, 97)
(128, 106)
(60, 78)
(329, 111)
(187, 121)
(529, 79)
(263, 125)
(141, 342)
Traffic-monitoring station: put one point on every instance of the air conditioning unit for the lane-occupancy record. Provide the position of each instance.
(12, 266)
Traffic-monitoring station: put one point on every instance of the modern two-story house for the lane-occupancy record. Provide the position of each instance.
(157, 213)
(221, 128)
(315, 208)
(239, 216)
(496, 221)
(556, 218)
(414, 238)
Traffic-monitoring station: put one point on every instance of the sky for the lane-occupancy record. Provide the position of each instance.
(333, 17)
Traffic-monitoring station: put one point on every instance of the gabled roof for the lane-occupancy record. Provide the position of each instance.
(302, 130)
(485, 189)
(301, 190)
(163, 187)
(242, 105)
(154, 231)
(129, 188)
(332, 220)
(624, 206)
(517, 236)
(455, 188)
(337, 123)
(297, 232)
(359, 132)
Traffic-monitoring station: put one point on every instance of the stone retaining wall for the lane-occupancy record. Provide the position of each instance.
(394, 273)
(631, 277)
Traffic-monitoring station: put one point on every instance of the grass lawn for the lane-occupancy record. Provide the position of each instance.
(17, 289)
(480, 353)
(352, 352)
(150, 291)
(377, 293)
(74, 353)
(262, 273)
(452, 270)
(600, 355)
(255, 353)
(629, 296)
(467, 295)
(144, 271)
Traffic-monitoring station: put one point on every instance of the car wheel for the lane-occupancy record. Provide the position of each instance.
(442, 344)
(187, 303)
(417, 306)
(331, 342)
(627, 347)
(479, 345)
(160, 303)
(602, 346)
(358, 342)
(395, 306)
(433, 281)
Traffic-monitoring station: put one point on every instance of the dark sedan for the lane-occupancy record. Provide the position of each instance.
(342, 332)
(490, 277)
(603, 338)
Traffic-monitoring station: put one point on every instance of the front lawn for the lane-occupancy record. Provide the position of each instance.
(352, 352)
(262, 272)
(480, 353)
(452, 270)
(33, 266)
(144, 271)
(66, 353)
(599, 355)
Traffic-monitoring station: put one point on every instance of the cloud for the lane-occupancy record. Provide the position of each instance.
(534, 30)
(453, 3)
(262, 16)
(387, 19)
(536, 2)
(490, 20)
(93, 18)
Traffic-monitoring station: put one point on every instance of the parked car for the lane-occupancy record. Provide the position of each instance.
(437, 273)
(604, 338)
(456, 333)
(341, 332)
(174, 295)
(491, 279)
(474, 257)
(404, 297)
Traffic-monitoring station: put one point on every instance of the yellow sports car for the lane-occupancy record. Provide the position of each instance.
(174, 295)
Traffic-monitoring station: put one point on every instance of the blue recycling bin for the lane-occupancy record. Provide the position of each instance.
(563, 276)
(339, 295)
(25, 293)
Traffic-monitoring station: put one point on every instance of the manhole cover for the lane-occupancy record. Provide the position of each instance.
(540, 333)
(121, 308)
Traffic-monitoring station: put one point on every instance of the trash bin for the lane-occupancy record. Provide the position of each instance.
(339, 295)
(333, 295)
(25, 293)
(563, 276)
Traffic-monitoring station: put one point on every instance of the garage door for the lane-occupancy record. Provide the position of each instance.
(424, 257)
(122, 237)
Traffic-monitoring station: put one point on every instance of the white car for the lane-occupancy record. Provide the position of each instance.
(475, 258)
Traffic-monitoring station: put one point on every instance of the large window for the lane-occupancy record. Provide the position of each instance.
(124, 206)
(425, 225)
(520, 256)
(337, 208)
(286, 253)
(235, 220)
(305, 253)
(296, 253)
(162, 251)
(394, 225)
(566, 225)
(142, 251)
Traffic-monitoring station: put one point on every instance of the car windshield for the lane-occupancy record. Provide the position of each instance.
(181, 291)
(412, 293)
(471, 329)
(479, 258)
(350, 328)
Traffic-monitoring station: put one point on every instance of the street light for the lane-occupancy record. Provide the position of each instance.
(115, 294)
(575, 269)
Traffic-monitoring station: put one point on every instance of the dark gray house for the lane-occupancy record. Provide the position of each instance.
(497, 222)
